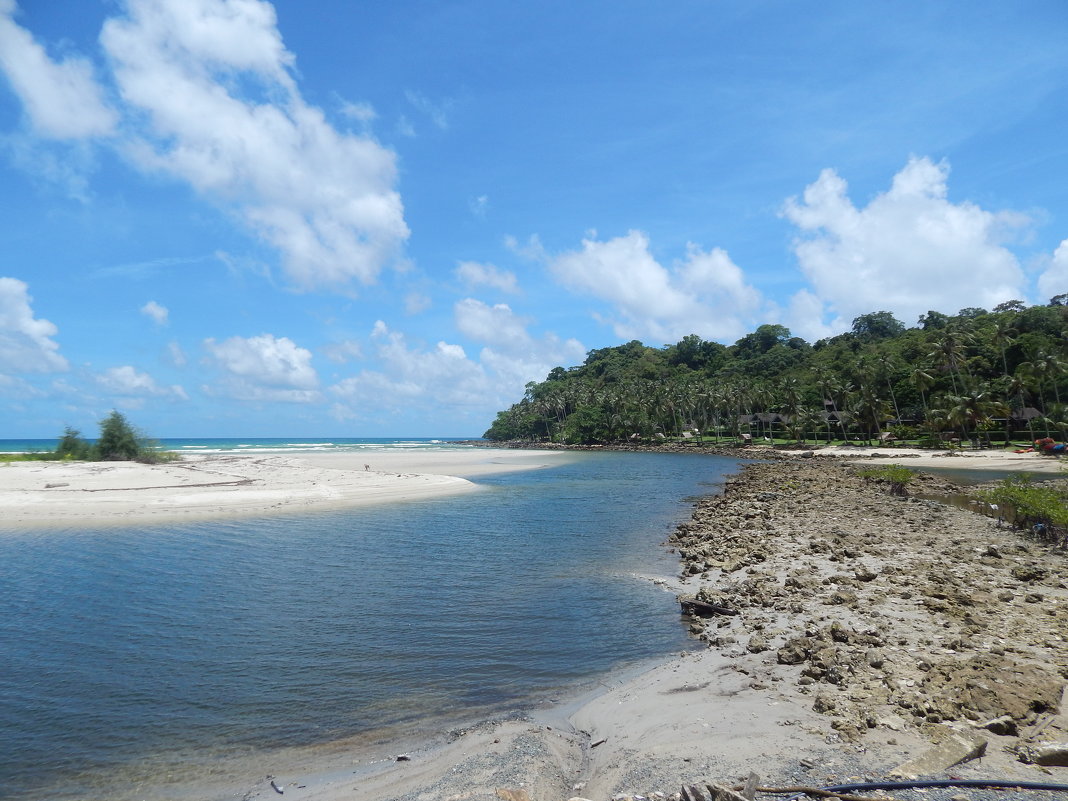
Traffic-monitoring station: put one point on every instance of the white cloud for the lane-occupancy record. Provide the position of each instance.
(705, 294)
(417, 303)
(479, 206)
(360, 112)
(207, 96)
(805, 317)
(157, 312)
(909, 250)
(474, 274)
(1054, 280)
(26, 344)
(264, 368)
(61, 98)
(130, 382)
(437, 377)
(326, 200)
(512, 355)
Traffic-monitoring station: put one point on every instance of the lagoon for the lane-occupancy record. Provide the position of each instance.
(136, 655)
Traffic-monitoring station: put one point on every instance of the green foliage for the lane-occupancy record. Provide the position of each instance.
(895, 475)
(118, 441)
(1026, 504)
(973, 378)
(877, 325)
(72, 446)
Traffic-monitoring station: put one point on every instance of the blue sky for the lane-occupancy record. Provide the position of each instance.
(327, 218)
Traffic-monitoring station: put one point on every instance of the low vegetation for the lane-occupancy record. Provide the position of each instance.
(118, 441)
(895, 476)
(1041, 507)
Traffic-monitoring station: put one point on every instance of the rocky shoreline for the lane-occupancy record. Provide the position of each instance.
(890, 613)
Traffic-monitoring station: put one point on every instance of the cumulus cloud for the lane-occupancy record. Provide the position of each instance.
(155, 311)
(1054, 280)
(207, 95)
(473, 274)
(26, 344)
(264, 368)
(513, 356)
(909, 250)
(705, 293)
(129, 382)
(62, 98)
(438, 376)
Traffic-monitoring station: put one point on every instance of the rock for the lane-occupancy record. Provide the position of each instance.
(795, 651)
(823, 703)
(955, 747)
(1045, 754)
(865, 574)
(757, 644)
(875, 658)
(1004, 725)
(992, 686)
(1029, 573)
(512, 795)
(844, 597)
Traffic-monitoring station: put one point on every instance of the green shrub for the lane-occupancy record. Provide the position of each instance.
(1026, 504)
(895, 475)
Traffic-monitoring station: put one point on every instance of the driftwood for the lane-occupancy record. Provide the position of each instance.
(691, 606)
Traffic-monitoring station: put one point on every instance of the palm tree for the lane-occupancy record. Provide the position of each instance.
(974, 407)
(948, 352)
(1003, 335)
(923, 381)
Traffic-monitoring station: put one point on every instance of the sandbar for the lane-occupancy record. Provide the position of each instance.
(226, 485)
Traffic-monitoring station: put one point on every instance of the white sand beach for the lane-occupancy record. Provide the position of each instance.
(240, 485)
(1002, 460)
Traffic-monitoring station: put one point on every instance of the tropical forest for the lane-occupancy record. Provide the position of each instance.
(979, 377)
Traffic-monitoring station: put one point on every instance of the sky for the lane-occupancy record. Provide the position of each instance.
(322, 218)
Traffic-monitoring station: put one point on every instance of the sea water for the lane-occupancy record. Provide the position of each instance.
(135, 654)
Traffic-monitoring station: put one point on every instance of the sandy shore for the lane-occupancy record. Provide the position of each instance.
(239, 485)
(1003, 460)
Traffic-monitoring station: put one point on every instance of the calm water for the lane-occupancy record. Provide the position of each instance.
(132, 653)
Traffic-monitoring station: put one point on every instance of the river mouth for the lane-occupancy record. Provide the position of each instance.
(152, 653)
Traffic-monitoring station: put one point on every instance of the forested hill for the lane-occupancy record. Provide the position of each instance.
(989, 375)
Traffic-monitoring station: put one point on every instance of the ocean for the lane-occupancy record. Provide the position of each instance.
(136, 656)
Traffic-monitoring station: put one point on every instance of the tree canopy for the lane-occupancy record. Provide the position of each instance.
(997, 374)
